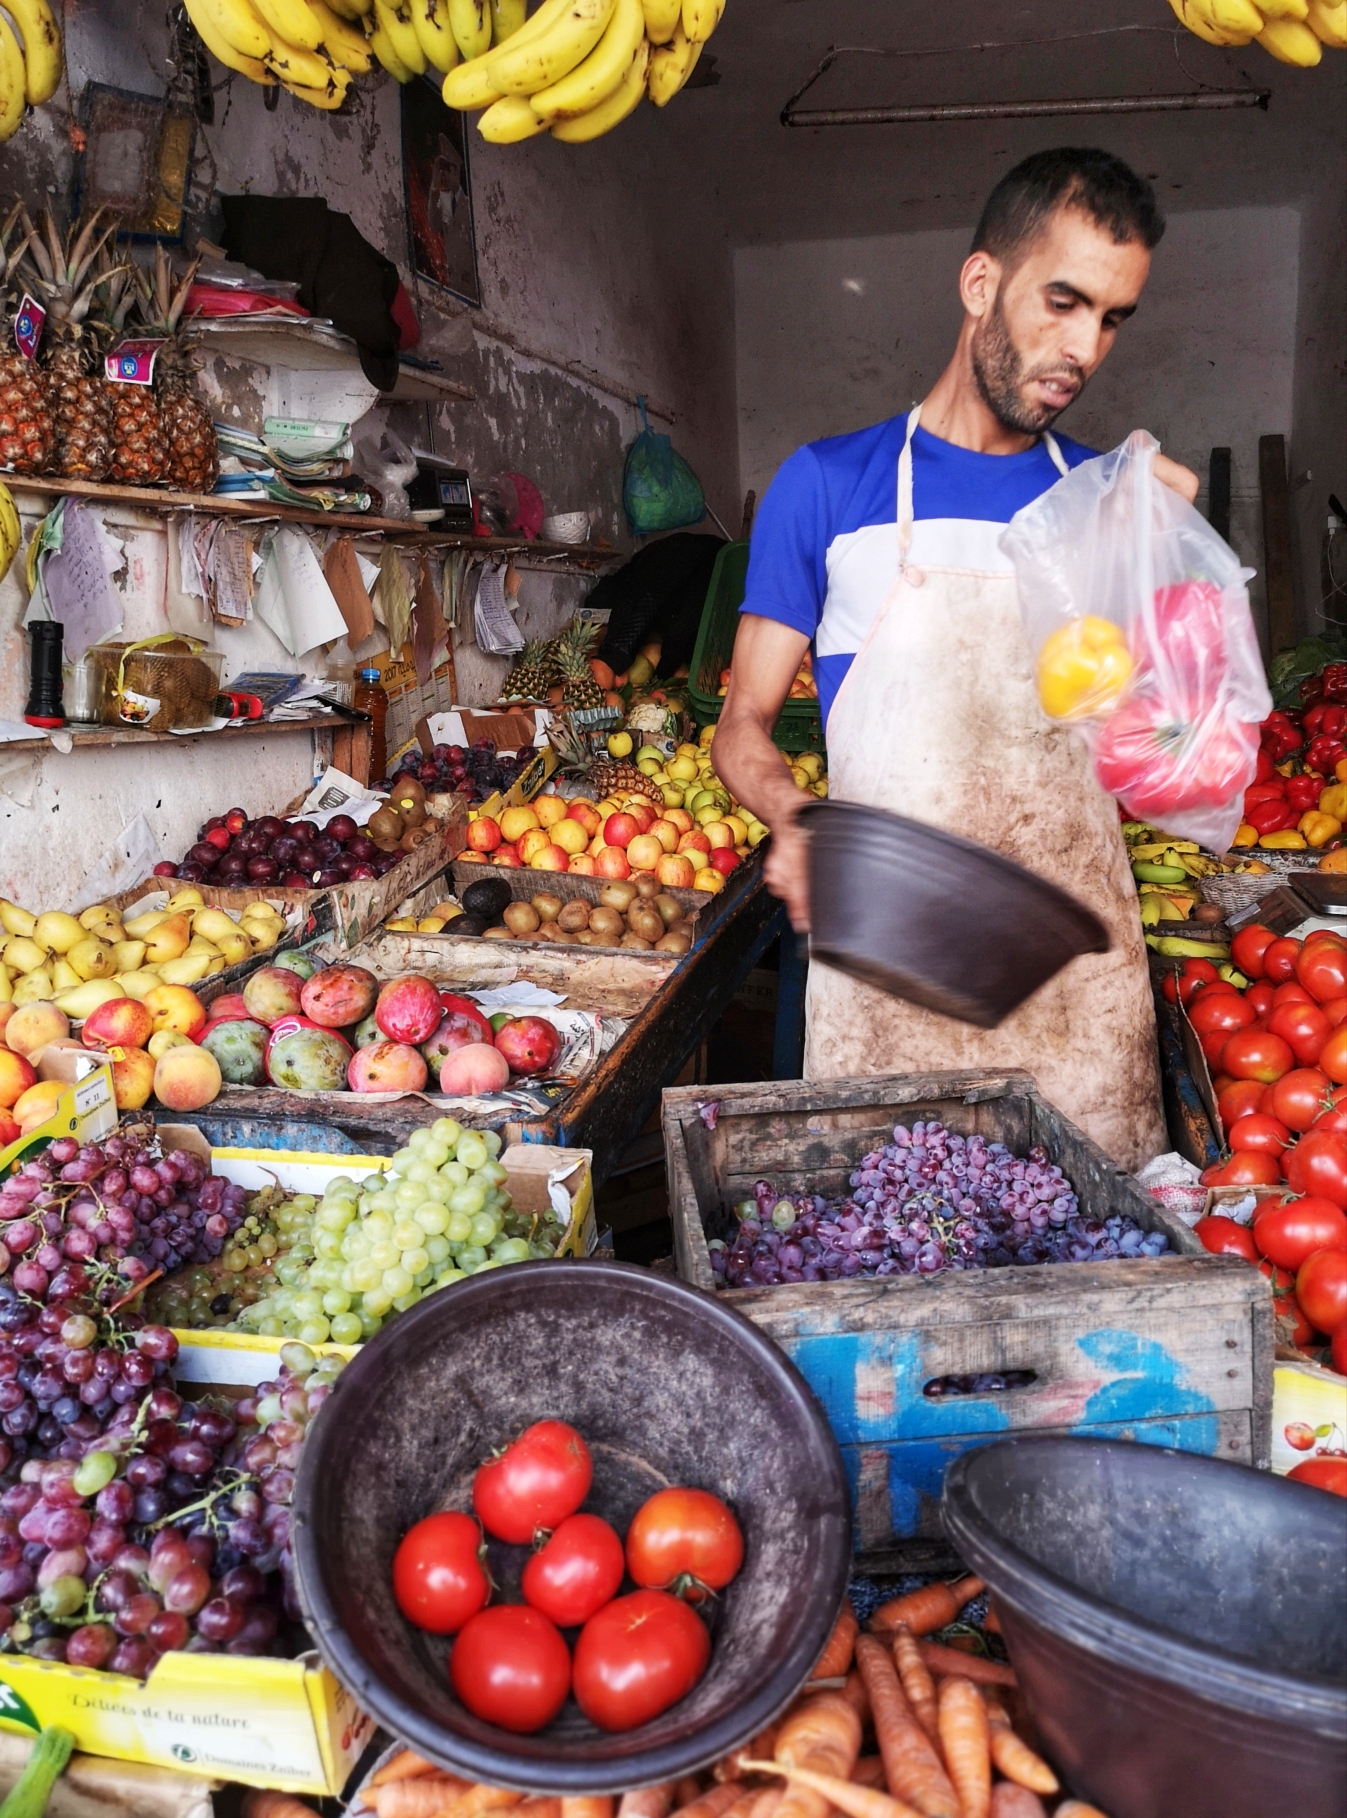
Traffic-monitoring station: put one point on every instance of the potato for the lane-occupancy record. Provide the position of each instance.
(575, 916)
(521, 918)
(497, 934)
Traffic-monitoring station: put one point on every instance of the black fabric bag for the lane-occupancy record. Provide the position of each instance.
(660, 592)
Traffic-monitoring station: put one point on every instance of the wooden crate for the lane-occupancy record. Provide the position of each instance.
(289, 903)
(1172, 1351)
(525, 884)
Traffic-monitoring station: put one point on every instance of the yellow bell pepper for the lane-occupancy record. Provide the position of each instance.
(1340, 770)
(1333, 800)
(1288, 840)
(1335, 860)
(1083, 668)
(1246, 835)
(1319, 828)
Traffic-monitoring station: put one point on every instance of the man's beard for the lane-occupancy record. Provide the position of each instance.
(1000, 373)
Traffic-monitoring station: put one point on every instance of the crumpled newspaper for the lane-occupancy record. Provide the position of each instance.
(1176, 1184)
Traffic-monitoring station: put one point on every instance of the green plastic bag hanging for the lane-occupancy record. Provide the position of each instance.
(659, 489)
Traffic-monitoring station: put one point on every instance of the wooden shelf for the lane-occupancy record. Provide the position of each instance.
(154, 499)
(135, 735)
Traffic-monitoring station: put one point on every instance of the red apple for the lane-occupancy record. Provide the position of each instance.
(484, 835)
(620, 829)
(723, 859)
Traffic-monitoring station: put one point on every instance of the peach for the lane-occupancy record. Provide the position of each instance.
(719, 835)
(16, 1075)
(37, 1104)
(587, 815)
(123, 1022)
(675, 869)
(484, 834)
(583, 865)
(680, 818)
(644, 852)
(666, 833)
(620, 829)
(186, 1078)
(179, 1008)
(611, 862)
(32, 1026)
(532, 843)
(549, 809)
(474, 1069)
(570, 836)
(388, 1067)
(271, 993)
(133, 1078)
(550, 858)
(694, 841)
(516, 821)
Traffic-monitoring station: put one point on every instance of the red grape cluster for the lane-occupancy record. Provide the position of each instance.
(298, 855)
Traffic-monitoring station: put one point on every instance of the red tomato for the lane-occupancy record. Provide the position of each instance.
(1286, 1306)
(510, 1666)
(685, 1541)
(1221, 1082)
(1248, 1169)
(1267, 1134)
(1279, 960)
(1254, 1054)
(576, 1573)
(1324, 1473)
(1333, 1054)
(1213, 1045)
(1298, 1097)
(1318, 1165)
(1213, 1010)
(1224, 1237)
(1183, 983)
(1291, 1230)
(636, 1657)
(1305, 1027)
(1238, 1099)
(1335, 1010)
(1291, 993)
(438, 1575)
(1262, 997)
(1321, 1289)
(1249, 946)
(535, 1483)
(1322, 970)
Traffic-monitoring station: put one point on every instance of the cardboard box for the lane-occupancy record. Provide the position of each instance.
(1309, 1414)
(86, 1110)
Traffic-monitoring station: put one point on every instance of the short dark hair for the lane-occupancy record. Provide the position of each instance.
(1105, 188)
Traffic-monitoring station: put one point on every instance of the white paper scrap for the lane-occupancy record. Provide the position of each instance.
(520, 996)
(496, 630)
(293, 597)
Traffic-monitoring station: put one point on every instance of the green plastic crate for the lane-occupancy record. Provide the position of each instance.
(799, 727)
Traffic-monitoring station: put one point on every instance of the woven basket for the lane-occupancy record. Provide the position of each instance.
(1232, 892)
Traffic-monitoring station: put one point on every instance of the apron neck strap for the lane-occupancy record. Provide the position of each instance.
(904, 512)
(1058, 458)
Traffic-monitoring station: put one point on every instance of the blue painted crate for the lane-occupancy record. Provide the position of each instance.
(1175, 1351)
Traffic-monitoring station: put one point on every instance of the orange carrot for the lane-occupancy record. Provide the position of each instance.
(647, 1802)
(275, 1805)
(715, 1801)
(404, 1766)
(822, 1734)
(911, 1764)
(932, 1607)
(1012, 1801)
(857, 1697)
(836, 1656)
(586, 1807)
(728, 1768)
(918, 1686)
(855, 1801)
(467, 1804)
(1077, 1808)
(869, 1771)
(965, 1735)
(1016, 1760)
(429, 1795)
(966, 1666)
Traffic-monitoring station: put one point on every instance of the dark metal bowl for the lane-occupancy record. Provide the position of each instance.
(933, 918)
(669, 1386)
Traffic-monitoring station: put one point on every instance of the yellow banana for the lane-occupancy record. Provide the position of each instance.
(291, 22)
(470, 86)
(223, 52)
(1291, 42)
(382, 46)
(670, 66)
(1329, 23)
(625, 99)
(506, 18)
(662, 19)
(509, 120)
(1185, 11)
(1150, 911)
(1299, 10)
(346, 46)
(236, 22)
(296, 63)
(593, 80)
(397, 22)
(11, 531)
(326, 98)
(430, 22)
(354, 10)
(1236, 16)
(13, 90)
(470, 22)
(572, 29)
(43, 63)
(701, 17)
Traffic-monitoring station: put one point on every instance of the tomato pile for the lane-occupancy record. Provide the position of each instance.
(1277, 1050)
(634, 1655)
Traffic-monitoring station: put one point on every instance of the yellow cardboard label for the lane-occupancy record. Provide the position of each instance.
(1309, 1414)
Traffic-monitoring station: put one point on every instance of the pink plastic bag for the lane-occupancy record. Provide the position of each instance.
(1178, 743)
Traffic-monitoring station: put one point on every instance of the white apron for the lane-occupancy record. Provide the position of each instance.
(938, 718)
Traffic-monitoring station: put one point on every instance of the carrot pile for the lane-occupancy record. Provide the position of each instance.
(942, 1744)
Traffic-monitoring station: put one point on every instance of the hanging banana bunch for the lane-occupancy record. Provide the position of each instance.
(1292, 31)
(31, 61)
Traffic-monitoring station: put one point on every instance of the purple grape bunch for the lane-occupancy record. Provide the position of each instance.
(928, 1201)
(477, 770)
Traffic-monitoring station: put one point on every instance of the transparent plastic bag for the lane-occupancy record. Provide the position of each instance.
(1138, 617)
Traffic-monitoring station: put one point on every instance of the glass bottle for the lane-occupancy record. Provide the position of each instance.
(370, 698)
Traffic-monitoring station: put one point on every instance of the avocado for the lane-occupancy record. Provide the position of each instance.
(486, 897)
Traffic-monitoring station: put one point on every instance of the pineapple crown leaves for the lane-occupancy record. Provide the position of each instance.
(12, 259)
(62, 269)
(165, 304)
(568, 743)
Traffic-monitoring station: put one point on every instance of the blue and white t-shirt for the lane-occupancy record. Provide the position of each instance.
(824, 553)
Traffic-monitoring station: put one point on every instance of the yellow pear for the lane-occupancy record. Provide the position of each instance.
(127, 955)
(92, 958)
(235, 947)
(199, 944)
(402, 924)
(140, 925)
(15, 920)
(33, 987)
(86, 998)
(168, 939)
(190, 898)
(164, 1039)
(140, 983)
(57, 931)
(214, 924)
(6, 986)
(63, 975)
(186, 969)
(261, 934)
(24, 954)
(98, 913)
(215, 965)
(258, 907)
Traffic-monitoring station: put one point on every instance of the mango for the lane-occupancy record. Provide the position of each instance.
(24, 954)
(57, 931)
(92, 958)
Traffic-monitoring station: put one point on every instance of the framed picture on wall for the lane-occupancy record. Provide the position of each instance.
(439, 193)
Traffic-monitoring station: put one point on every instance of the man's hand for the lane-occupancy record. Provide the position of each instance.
(766, 660)
(1178, 478)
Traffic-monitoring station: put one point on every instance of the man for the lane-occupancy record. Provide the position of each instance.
(880, 549)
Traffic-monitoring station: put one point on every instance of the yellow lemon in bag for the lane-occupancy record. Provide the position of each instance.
(1082, 668)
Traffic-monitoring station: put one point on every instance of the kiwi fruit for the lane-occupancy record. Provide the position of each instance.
(406, 789)
(415, 836)
(575, 916)
(670, 910)
(547, 905)
(486, 896)
(384, 824)
(521, 918)
(606, 923)
(673, 943)
(645, 921)
(648, 886)
(547, 931)
(618, 895)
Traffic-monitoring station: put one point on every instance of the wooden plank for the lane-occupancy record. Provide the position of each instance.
(1218, 492)
(86, 737)
(1278, 570)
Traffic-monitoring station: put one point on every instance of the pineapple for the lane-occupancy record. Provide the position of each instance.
(192, 463)
(579, 688)
(602, 775)
(531, 676)
(139, 452)
(26, 430)
(81, 409)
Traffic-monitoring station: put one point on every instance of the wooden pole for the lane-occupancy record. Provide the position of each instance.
(1277, 568)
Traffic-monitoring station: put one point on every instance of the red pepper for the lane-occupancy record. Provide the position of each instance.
(1334, 680)
(1264, 767)
(1272, 791)
(1324, 753)
(1313, 719)
(1272, 816)
(1302, 792)
(1334, 723)
(1280, 736)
